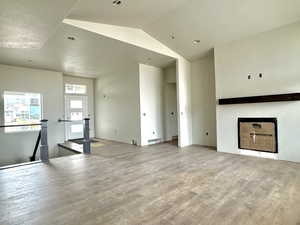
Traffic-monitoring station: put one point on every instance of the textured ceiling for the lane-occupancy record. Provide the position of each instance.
(32, 33)
(132, 13)
(29, 23)
(211, 21)
(89, 55)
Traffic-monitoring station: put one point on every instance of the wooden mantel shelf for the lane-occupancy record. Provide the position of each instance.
(263, 98)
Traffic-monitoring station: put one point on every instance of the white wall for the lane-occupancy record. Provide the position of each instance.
(17, 147)
(204, 102)
(130, 105)
(140, 38)
(151, 81)
(170, 103)
(89, 82)
(276, 55)
(184, 102)
(170, 74)
(117, 105)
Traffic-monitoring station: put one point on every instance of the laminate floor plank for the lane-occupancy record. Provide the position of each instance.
(120, 184)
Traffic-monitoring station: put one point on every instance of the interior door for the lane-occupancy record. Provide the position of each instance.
(76, 109)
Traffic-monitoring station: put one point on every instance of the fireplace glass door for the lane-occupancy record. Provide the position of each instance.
(259, 134)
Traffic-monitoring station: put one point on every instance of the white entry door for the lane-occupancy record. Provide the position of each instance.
(76, 109)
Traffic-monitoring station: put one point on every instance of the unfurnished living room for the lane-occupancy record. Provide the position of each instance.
(150, 112)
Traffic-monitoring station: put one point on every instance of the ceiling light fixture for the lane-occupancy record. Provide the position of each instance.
(117, 2)
(71, 38)
(196, 41)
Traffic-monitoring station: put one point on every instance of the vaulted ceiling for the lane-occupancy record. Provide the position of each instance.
(88, 55)
(32, 33)
(212, 22)
(131, 13)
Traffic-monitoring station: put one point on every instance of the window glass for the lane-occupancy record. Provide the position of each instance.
(75, 89)
(76, 116)
(76, 104)
(77, 128)
(22, 108)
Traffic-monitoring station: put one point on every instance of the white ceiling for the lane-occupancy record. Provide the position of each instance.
(33, 30)
(211, 21)
(29, 23)
(89, 55)
(132, 13)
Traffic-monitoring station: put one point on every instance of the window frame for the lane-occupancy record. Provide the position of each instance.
(75, 84)
(9, 130)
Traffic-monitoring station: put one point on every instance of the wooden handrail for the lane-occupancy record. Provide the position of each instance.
(21, 125)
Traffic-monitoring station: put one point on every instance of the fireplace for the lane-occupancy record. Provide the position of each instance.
(258, 134)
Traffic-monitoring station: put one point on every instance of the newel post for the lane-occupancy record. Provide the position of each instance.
(86, 141)
(44, 149)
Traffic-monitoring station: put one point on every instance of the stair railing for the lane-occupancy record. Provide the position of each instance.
(42, 139)
(86, 134)
(44, 154)
(32, 158)
(44, 148)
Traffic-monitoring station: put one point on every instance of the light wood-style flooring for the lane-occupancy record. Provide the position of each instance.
(158, 185)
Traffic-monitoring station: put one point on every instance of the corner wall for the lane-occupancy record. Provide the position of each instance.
(170, 103)
(151, 104)
(275, 54)
(141, 39)
(184, 102)
(204, 102)
(117, 105)
(19, 146)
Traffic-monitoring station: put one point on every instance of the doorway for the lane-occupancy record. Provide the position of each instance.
(171, 122)
(76, 109)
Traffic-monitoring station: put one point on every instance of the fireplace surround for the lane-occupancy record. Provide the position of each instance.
(258, 134)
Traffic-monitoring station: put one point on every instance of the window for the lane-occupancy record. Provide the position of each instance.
(77, 128)
(75, 89)
(22, 108)
(76, 104)
(76, 116)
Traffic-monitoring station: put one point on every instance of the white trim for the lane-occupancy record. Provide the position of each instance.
(266, 155)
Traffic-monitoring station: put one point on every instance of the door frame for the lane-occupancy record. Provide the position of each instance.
(68, 110)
